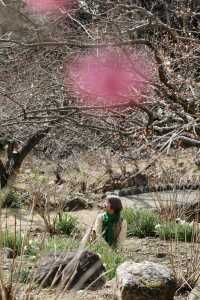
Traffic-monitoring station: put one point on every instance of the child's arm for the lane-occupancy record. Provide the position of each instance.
(122, 235)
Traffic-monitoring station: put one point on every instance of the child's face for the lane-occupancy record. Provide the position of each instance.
(108, 208)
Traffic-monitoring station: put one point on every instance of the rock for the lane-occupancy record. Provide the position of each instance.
(144, 281)
(76, 203)
(127, 184)
(74, 270)
(129, 191)
(195, 292)
(115, 192)
(161, 254)
(141, 181)
(8, 252)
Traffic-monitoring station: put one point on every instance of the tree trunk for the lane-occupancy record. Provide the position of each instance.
(15, 159)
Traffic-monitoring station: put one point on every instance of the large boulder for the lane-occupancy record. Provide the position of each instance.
(195, 292)
(144, 281)
(77, 202)
(72, 270)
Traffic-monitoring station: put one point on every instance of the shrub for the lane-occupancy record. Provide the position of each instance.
(12, 200)
(110, 258)
(141, 223)
(181, 232)
(11, 240)
(67, 224)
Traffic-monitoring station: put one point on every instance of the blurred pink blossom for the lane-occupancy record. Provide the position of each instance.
(49, 6)
(110, 77)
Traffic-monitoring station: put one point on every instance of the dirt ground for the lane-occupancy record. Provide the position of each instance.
(136, 249)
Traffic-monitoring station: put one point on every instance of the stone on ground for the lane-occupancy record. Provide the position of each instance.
(8, 252)
(76, 203)
(195, 292)
(144, 281)
(72, 270)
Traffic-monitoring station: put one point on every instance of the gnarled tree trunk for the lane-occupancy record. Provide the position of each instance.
(15, 159)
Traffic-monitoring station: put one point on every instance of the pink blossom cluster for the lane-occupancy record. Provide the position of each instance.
(49, 6)
(110, 77)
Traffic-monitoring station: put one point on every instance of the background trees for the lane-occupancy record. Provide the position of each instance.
(36, 101)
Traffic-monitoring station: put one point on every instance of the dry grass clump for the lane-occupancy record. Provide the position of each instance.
(179, 210)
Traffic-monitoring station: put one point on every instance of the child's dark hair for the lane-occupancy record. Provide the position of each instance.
(115, 204)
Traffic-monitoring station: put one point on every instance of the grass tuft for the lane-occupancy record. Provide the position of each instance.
(180, 232)
(67, 224)
(141, 223)
(11, 240)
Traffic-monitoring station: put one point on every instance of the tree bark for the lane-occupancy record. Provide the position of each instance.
(15, 159)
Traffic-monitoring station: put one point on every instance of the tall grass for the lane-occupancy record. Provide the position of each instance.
(175, 203)
(59, 243)
(11, 240)
(110, 258)
(181, 232)
(184, 237)
(188, 273)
